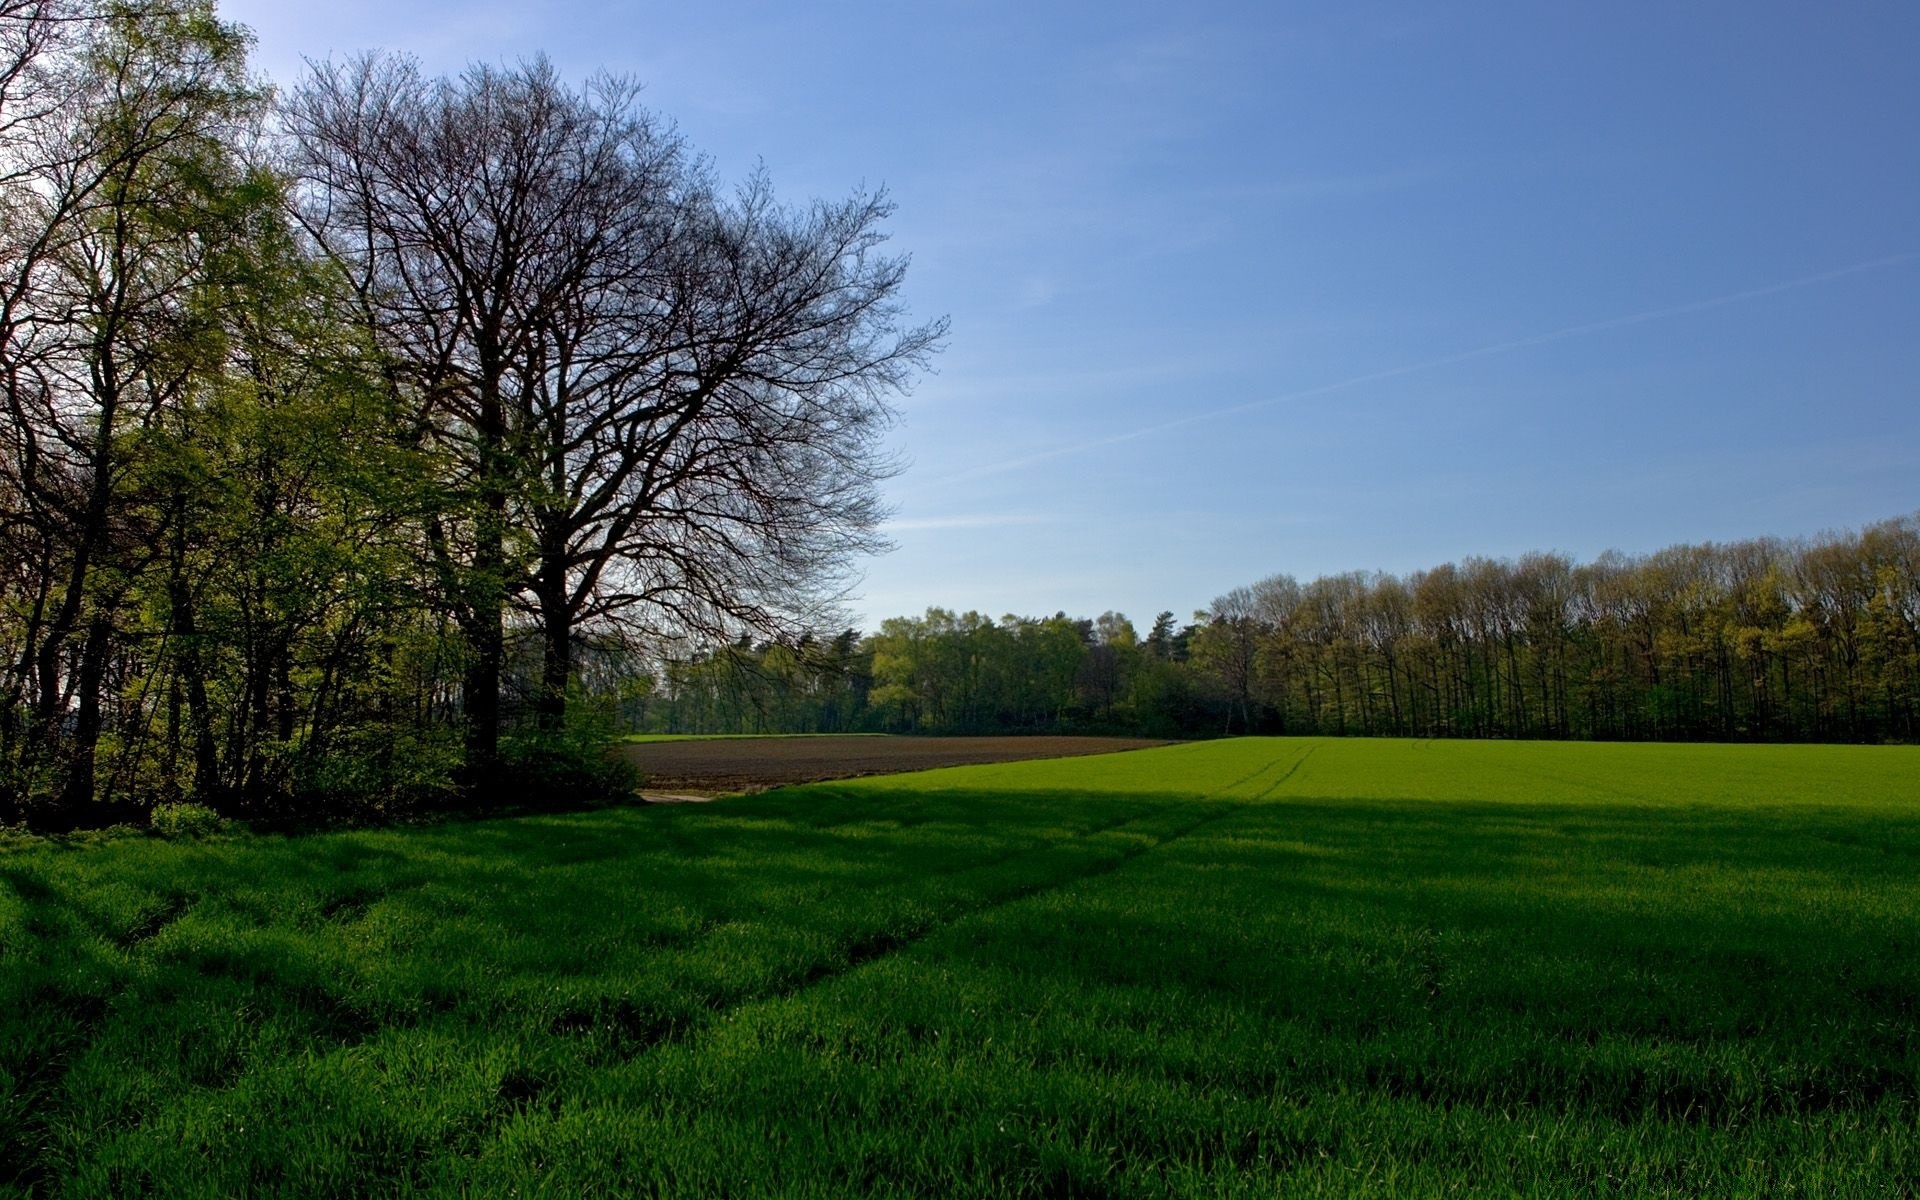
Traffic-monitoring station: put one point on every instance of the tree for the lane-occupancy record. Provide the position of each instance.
(662, 405)
(125, 192)
(1160, 640)
(1227, 645)
(1108, 665)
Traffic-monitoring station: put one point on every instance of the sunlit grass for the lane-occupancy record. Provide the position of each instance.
(1310, 967)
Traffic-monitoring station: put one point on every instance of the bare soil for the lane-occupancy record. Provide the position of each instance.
(689, 770)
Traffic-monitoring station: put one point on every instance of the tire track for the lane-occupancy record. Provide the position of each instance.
(1273, 787)
(1262, 770)
(690, 936)
(169, 909)
(884, 945)
(893, 943)
(648, 1031)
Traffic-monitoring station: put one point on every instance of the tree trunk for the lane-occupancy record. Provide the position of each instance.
(556, 661)
(486, 643)
(77, 795)
(189, 669)
(480, 691)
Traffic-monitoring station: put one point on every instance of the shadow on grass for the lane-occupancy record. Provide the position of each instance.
(1663, 963)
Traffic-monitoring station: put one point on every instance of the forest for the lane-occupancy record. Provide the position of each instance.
(1763, 640)
(335, 419)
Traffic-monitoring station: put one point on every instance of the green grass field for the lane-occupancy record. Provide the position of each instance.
(1252, 968)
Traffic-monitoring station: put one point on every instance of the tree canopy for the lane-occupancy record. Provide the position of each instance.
(338, 423)
(1764, 640)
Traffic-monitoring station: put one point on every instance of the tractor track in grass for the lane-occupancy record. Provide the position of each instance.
(1273, 787)
(649, 1031)
(872, 949)
(680, 939)
(642, 1030)
(1257, 772)
(1216, 807)
(155, 921)
(646, 1031)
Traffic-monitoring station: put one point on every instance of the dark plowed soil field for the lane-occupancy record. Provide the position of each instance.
(750, 764)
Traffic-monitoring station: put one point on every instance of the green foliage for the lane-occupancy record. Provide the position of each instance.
(1752, 641)
(267, 514)
(185, 820)
(1239, 968)
(374, 772)
(576, 764)
(810, 686)
(234, 594)
(965, 673)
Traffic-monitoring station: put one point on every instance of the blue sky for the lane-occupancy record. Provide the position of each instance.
(1242, 289)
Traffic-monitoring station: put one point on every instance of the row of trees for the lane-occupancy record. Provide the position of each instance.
(337, 423)
(1757, 640)
(941, 673)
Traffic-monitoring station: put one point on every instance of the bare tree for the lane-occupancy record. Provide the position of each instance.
(656, 404)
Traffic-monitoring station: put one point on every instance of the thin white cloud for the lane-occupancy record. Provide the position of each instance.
(1037, 290)
(1445, 360)
(1167, 58)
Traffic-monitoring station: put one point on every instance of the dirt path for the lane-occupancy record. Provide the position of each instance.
(685, 771)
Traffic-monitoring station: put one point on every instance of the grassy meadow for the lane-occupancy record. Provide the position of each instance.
(1255, 967)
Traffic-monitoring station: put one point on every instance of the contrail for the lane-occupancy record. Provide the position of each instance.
(1447, 360)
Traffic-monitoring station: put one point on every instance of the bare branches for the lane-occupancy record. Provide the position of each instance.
(587, 392)
(665, 405)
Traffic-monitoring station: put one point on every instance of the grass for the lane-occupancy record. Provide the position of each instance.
(1332, 968)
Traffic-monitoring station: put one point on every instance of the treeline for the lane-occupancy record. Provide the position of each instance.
(1765, 640)
(339, 424)
(941, 673)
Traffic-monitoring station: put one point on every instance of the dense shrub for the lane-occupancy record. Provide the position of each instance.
(389, 772)
(577, 764)
(185, 820)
